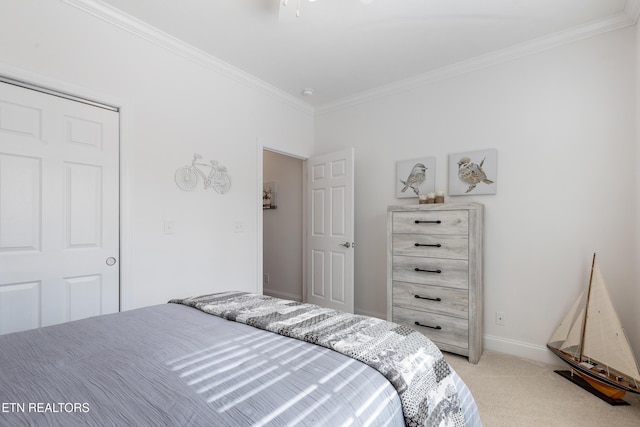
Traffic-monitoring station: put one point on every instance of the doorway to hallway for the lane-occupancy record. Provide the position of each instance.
(283, 215)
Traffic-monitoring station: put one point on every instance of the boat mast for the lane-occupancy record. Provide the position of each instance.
(586, 310)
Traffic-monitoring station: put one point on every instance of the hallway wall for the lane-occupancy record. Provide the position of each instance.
(282, 227)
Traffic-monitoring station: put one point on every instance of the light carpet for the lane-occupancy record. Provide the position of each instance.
(512, 391)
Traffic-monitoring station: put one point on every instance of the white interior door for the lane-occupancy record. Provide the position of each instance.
(59, 212)
(330, 230)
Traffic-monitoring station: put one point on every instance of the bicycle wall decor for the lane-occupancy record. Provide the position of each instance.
(187, 176)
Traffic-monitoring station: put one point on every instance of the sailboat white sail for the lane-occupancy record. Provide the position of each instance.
(591, 339)
(567, 336)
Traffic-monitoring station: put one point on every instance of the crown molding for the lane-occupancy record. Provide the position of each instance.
(140, 29)
(632, 10)
(145, 31)
(626, 19)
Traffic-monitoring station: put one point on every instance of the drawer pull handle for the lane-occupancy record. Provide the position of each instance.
(430, 299)
(427, 326)
(437, 245)
(428, 222)
(428, 271)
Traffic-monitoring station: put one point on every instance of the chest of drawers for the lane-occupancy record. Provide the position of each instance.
(434, 273)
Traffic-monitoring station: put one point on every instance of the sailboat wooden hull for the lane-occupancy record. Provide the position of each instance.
(613, 385)
(606, 389)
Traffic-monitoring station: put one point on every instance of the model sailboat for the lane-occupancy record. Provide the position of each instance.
(592, 341)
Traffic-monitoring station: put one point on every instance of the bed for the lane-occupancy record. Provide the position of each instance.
(184, 363)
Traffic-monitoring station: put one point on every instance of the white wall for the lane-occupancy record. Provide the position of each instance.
(171, 108)
(562, 121)
(282, 243)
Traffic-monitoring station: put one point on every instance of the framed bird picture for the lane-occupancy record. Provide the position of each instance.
(473, 172)
(415, 177)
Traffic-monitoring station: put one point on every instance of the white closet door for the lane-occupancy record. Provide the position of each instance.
(59, 212)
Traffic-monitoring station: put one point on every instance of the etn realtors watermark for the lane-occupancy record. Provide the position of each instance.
(42, 407)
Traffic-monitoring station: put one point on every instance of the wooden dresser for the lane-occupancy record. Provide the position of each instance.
(434, 273)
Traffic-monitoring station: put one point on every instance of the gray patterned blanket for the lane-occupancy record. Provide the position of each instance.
(408, 359)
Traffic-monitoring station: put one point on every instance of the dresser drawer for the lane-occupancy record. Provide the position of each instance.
(453, 331)
(451, 273)
(434, 299)
(431, 222)
(431, 245)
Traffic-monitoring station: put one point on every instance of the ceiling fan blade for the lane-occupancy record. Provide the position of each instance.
(289, 11)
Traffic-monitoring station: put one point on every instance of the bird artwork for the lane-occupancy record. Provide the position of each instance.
(415, 178)
(471, 173)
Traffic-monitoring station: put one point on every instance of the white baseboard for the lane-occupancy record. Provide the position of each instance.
(502, 345)
(521, 349)
(283, 295)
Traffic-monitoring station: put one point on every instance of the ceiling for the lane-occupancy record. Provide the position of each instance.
(343, 48)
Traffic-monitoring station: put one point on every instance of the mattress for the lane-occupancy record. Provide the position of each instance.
(172, 365)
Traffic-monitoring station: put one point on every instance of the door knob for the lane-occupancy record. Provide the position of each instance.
(111, 261)
(346, 245)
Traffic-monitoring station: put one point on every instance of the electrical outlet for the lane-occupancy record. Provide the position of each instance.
(266, 278)
(499, 318)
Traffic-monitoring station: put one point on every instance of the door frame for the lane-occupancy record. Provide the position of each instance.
(125, 196)
(260, 221)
